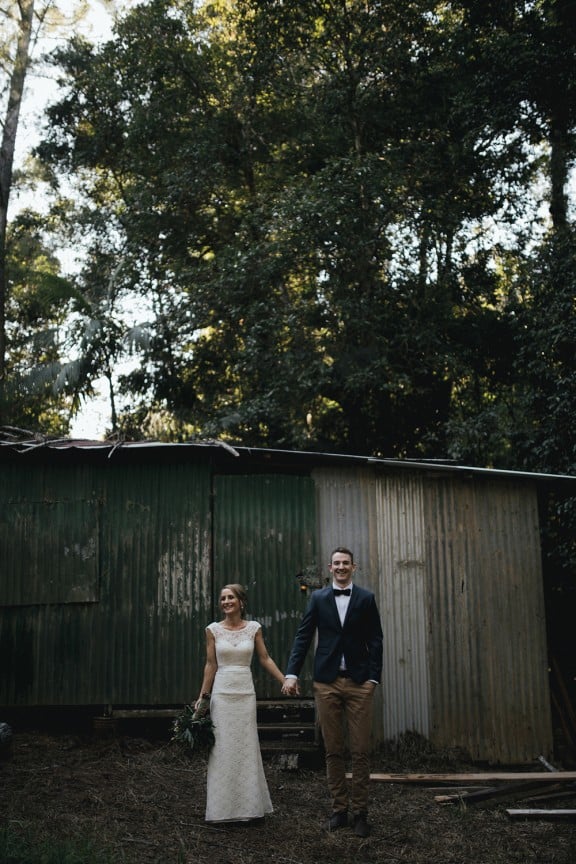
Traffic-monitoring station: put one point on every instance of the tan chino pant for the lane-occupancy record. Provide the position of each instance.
(341, 700)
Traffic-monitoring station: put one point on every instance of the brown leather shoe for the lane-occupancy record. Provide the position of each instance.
(337, 820)
(361, 826)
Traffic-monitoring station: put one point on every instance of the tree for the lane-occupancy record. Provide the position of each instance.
(302, 193)
(19, 67)
(38, 305)
(26, 25)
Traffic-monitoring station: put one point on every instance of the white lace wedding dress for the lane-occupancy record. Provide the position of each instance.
(236, 788)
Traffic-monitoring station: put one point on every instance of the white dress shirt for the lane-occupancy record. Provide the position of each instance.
(342, 601)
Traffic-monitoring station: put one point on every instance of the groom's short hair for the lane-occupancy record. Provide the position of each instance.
(342, 550)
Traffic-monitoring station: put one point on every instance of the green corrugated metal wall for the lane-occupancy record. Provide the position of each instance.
(105, 583)
(264, 535)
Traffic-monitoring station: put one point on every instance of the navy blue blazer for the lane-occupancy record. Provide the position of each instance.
(359, 639)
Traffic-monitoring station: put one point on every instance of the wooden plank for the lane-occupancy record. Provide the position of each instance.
(483, 777)
(459, 790)
(144, 713)
(569, 815)
(551, 795)
(551, 782)
(507, 790)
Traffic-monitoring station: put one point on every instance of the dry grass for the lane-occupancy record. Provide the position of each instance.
(142, 802)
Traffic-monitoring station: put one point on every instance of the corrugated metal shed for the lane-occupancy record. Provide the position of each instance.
(112, 558)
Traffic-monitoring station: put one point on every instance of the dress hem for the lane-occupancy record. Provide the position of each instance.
(239, 818)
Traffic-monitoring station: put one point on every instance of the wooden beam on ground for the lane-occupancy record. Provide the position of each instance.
(483, 777)
(551, 795)
(506, 790)
(456, 790)
(512, 783)
(523, 789)
(568, 815)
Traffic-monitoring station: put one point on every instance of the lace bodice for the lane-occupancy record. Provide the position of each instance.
(234, 647)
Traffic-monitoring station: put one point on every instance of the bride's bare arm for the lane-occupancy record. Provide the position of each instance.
(265, 660)
(210, 666)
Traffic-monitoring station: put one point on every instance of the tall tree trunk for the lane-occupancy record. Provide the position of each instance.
(7, 148)
(559, 160)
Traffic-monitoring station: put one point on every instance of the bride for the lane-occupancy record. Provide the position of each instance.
(236, 786)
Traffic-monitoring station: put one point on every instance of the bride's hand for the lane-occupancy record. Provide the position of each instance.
(290, 688)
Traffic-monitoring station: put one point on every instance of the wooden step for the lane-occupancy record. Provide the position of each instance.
(288, 726)
(287, 732)
(281, 747)
(275, 712)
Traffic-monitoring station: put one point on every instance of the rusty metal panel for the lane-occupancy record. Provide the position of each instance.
(489, 676)
(347, 516)
(404, 605)
(264, 538)
(455, 566)
(380, 518)
(136, 633)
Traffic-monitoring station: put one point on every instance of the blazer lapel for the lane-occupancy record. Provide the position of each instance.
(353, 601)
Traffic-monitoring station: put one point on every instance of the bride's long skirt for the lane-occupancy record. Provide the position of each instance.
(236, 788)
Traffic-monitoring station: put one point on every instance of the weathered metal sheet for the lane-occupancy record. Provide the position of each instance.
(404, 605)
(124, 622)
(264, 538)
(347, 516)
(110, 570)
(488, 661)
(48, 515)
(380, 518)
(455, 566)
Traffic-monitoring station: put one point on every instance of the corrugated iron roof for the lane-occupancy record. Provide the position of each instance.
(110, 449)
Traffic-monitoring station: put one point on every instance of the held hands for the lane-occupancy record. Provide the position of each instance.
(290, 687)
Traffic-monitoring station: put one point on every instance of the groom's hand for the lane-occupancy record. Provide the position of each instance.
(291, 687)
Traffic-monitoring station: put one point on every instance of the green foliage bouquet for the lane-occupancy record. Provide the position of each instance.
(194, 729)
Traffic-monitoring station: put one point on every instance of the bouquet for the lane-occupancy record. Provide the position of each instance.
(194, 728)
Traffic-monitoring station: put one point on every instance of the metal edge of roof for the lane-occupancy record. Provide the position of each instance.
(78, 445)
(467, 469)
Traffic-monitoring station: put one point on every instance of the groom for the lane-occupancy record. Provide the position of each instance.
(347, 668)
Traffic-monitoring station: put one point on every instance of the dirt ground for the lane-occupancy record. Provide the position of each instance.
(142, 801)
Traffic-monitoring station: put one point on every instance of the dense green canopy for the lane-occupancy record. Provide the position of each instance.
(332, 225)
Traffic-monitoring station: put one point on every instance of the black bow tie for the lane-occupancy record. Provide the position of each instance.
(339, 591)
